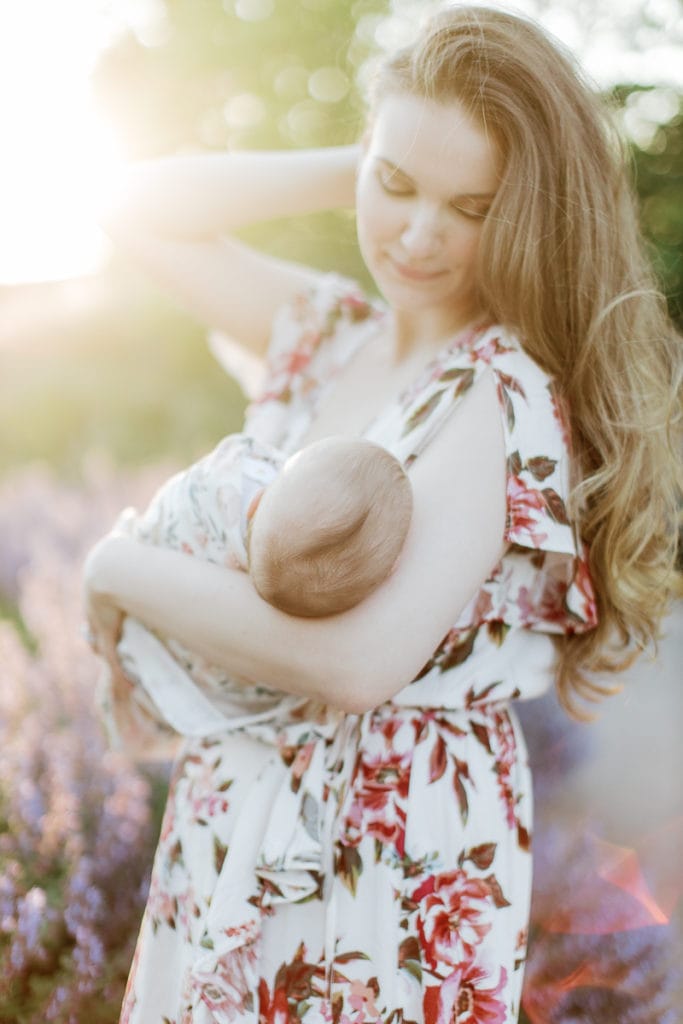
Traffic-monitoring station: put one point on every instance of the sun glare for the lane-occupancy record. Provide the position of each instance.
(59, 161)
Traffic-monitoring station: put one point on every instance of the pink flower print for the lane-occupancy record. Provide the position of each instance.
(524, 505)
(168, 822)
(362, 1000)
(463, 999)
(482, 607)
(560, 415)
(582, 587)
(452, 916)
(548, 607)
(493, 347)
(356, 307)
(379, 802)
(161, 906)
(300, 764)
(226, 988)
(207, 794)
(275, 1010)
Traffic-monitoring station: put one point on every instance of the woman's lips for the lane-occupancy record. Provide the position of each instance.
(413, 273)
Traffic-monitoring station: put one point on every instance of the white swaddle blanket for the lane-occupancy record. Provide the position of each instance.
(202, 511)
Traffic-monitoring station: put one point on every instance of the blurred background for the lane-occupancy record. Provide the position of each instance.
(106, 386)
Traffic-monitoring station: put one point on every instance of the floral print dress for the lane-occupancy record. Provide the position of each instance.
(323, 867)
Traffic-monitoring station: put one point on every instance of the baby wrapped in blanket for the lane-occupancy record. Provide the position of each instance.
(317, 532)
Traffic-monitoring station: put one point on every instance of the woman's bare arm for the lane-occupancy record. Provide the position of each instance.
(360, 658)
(175, 216)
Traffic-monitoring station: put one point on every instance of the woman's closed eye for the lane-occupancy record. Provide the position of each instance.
(394, 183)
(472, 212)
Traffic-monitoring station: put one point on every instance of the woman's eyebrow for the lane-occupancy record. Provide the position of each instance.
(395, 169)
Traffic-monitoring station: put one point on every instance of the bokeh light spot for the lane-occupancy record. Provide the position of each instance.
(292, 82)
(244, 110)
(304, 122)
(328, 85)
(254, 10)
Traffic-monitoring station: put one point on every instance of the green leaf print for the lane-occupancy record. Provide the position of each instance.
(409, 957)
(461, 772)
(459, 653)
(437, 760)
(465, 378)
(541, 467)
(523, 838)
(422, 412)
(346, 958)
(482, 734)
(409, 950)
(482, 856)
(514, 464)
(555, 506)
(496, 892)
(348, 865)
(508, 408)
(219, 852)
(497, 630)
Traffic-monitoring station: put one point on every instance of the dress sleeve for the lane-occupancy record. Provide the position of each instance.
(559, 595)
(309, 339)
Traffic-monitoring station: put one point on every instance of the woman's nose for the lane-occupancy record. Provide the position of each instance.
(423, 231)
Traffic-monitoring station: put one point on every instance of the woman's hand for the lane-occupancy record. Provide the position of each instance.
(103, 617)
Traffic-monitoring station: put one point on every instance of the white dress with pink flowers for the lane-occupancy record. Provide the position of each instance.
(364, 868)
(203, 511)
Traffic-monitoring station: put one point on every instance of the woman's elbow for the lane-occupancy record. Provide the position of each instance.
(358, 684)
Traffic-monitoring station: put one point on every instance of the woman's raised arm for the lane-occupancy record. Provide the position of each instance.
(175, 215)
(358, 659)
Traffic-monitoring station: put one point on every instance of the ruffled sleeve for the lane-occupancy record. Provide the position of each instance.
(549, 588)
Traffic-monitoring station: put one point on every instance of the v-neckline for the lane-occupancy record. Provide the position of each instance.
(461, 340)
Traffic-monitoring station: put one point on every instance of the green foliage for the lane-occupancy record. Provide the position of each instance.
(660, 186)
(658, 169)
(177, 93)
(133, 375)
(133, 378)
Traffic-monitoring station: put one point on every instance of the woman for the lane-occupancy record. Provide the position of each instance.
(370, 859)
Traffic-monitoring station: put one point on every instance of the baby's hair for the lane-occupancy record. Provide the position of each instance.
(334, 549)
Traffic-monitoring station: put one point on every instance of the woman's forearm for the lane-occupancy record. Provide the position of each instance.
(204, 195)
(361, 657)
(218, 614)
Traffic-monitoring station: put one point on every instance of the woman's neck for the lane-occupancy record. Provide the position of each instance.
(426, 332)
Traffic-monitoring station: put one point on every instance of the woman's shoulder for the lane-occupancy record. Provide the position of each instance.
(317, 311)
(313, 331)
(527, 392)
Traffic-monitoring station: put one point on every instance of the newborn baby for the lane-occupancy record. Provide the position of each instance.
(317, 533)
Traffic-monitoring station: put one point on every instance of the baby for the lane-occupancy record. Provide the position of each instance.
(317, 533)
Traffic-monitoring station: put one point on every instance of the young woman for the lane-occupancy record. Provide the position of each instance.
(369, 859)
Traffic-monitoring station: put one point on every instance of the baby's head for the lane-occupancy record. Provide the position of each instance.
(329, 529)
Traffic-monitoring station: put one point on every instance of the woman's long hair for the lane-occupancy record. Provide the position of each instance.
(562, 263)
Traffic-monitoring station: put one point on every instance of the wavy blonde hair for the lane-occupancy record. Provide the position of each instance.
(562, 263)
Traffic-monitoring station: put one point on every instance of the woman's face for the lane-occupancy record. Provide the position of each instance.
(425, 184)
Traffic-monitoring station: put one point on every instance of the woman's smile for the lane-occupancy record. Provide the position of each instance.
(413, 272)
(425, 185)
